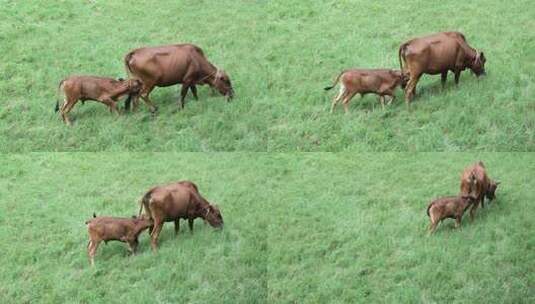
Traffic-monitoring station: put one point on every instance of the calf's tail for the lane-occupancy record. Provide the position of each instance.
(335, 81)
(429, 207)
(56, 109)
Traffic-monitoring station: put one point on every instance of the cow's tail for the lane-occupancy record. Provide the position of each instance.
(129, 72)
(335, 81)
(60, 88)
(127, 63)
(144, 202)
(401, 55)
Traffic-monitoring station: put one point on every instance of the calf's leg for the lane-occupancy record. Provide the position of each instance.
(190, 223)
(382, 99)
(443, 78)
(338, 97)
(177, 226)
(92, 249)
(65, 109)
(346, 101)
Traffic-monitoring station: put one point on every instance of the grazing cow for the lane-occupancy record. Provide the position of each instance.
(448, 207)
(105, 228)
(102, 89)
(475, 182)
(438, 54)
(175, 201)
(168, 65)
(379, 81)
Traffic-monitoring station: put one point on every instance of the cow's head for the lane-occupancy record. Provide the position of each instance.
(221, 83)
(478, 65)
(491, 191)
(212, 215)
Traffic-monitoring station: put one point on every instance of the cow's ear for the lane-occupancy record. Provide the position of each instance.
(482, 57)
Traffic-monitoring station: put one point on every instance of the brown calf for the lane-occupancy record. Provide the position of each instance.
(475, 182)
(101, 89)
(105, 228)
(378, 81)
(448, 207)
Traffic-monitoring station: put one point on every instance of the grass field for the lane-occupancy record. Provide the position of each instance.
(279, 54)
(299, 228)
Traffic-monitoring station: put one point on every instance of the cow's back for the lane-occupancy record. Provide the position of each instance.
(434, 53)
(164, 65)
(171, 201)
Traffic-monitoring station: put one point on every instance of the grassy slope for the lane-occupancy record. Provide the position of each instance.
(355, 231)
(48, 197)
(280, 54)
(311, 228)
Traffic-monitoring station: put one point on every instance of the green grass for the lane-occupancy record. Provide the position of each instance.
(279, 54)
(299, 228)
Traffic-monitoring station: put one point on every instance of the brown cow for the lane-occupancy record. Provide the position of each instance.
(175, 201)
(438, 54)
(102, 89)
(379, 81)
(448, 207)
(105, 228)
(168, 65)
(475, 182)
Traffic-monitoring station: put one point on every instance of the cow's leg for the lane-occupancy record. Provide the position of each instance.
(194, 92)
(346, 101)
(457, 76)
(177, 226)
(443, 78)
(338, 97)
(155, 233)
(190, 223)
(410, 90)
(183, 94)
(145, 92)
(433, 226)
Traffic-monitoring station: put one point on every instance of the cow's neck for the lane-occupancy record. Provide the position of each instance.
(211, 72)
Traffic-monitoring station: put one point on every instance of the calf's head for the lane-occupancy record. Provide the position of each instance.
(478, 65)
(212, 215)
(222, 84)
(491, 191)
(134, 85)
(401, 78)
